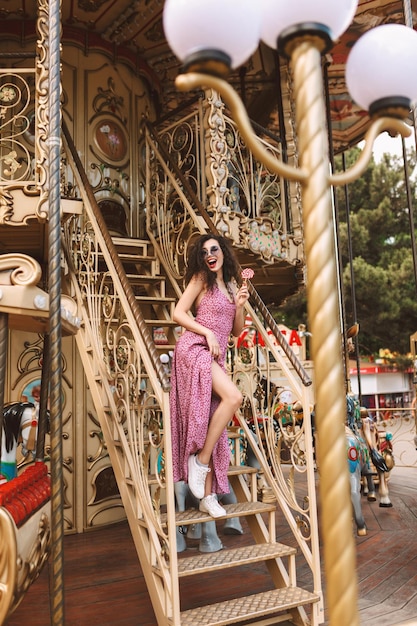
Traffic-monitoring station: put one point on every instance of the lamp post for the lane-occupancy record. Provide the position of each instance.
(303, 30)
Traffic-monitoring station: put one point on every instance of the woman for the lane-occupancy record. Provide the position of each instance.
(203, 399)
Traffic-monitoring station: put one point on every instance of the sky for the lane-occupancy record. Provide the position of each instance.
(384, 143)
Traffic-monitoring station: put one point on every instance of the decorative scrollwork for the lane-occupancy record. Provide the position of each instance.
(137, 414)
(242, 196)
(6, 205)
(107, 100)
(278, 428)
(23, 269)
(32, 566)
(15, 120)
(18, 572)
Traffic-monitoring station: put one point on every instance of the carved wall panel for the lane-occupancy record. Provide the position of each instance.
(103, 107)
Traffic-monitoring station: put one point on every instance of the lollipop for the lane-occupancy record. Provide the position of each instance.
(247, 274)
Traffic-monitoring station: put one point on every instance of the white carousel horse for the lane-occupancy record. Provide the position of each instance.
(20, 425)
(381, 455)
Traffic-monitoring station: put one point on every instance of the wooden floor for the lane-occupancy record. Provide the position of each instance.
(104, 585)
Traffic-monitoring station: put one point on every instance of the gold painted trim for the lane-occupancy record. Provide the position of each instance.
(8, 562)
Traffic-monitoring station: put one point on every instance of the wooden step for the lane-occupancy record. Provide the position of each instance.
(135, 257)
(240, 509)
(134, 246)
(212, 561)
(235, 470)
(145, 279)
(248, 607)
(156, 300)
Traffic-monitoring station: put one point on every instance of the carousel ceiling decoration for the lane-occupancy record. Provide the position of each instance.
(132, 31)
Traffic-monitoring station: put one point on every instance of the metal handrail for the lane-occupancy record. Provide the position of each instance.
(118, 266)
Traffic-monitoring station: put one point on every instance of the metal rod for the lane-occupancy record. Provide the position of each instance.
(352, 290)
(4, 319)
(410, 211)
(55, 330)
(339, 265)
(284, 145)
(43, 402)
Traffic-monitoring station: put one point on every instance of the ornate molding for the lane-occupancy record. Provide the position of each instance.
(8, 563)
(217, 160)
(24, 551)
(19, 269)
(41, 109)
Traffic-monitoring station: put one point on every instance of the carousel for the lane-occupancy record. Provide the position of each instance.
(124, 138)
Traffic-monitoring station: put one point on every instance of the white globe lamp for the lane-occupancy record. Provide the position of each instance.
(212, 36)
(283, 20)
(381, 70)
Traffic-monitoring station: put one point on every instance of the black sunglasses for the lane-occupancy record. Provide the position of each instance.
(214, 251)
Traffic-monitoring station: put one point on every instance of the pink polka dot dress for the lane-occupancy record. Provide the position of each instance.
(191, 401)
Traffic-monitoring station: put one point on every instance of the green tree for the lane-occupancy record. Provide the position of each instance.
(382, 261)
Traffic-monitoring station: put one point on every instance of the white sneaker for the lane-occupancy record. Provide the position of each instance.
(197, 477)
(210, 505)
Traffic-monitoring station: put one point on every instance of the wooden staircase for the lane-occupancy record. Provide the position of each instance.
(154, 526)
(157, 299)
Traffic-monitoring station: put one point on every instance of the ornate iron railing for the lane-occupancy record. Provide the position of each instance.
(23, 143)
(245, 200)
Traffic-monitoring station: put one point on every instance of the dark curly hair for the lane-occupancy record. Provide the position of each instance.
(197, 265)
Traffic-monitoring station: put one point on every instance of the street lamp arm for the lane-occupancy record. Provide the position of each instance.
(393, 126)
(194, 80)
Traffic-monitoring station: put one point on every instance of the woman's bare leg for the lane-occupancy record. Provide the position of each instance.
(230, 401)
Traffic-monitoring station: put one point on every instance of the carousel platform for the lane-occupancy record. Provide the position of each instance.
(104, 585)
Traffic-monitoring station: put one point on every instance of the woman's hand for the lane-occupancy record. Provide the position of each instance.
(242, 295)
(213, 344)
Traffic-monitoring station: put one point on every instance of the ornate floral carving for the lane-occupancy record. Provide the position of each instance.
(107, 100)
(42, 108)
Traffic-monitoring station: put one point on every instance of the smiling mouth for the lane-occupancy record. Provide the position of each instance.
(211, 263)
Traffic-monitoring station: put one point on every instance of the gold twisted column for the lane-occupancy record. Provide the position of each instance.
(326, 345)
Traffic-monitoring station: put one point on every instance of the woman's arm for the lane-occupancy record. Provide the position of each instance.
(193, 294)
(241, 297)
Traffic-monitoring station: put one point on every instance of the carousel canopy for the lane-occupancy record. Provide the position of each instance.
(132, 31)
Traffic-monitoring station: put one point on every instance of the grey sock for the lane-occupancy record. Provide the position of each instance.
(199, 462)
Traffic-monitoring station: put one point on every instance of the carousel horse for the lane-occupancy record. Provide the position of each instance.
(20, 426)
(358, 463)
(362, 450)
(381, 455)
